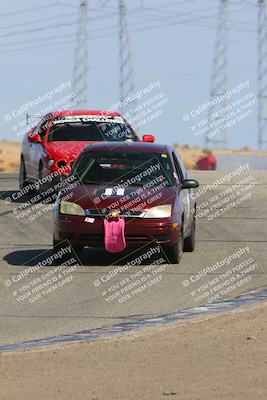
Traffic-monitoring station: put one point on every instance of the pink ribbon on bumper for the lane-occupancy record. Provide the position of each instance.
(115, 235)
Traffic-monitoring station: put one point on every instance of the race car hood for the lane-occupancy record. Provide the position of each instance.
(67, 151)
(132, 198)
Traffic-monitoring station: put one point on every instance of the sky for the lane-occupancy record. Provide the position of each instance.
(172, 43)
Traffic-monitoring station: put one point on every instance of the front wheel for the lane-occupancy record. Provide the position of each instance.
(190, 241)
(22, 174)
(174, 253)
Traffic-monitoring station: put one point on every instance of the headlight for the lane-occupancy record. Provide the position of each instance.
(50, 163)
(163, 211)
(66, 207)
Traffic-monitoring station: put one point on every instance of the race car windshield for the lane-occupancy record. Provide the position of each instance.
(128, 169)
(86, 129)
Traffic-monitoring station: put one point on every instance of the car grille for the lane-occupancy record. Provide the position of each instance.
(93, 212)
(61, 164)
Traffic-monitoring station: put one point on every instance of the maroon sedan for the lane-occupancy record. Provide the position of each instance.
(147, 184)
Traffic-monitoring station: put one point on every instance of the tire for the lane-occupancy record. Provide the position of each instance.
(40, 176)
(42, 187)
(22, 174)
(77, 249)
(23, 180)
(40, 171)
(190, 241)
(174, 253)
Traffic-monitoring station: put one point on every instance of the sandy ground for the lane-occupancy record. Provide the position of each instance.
(221, 357)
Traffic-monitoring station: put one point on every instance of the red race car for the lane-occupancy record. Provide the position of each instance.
(50, 148)
(146, 185)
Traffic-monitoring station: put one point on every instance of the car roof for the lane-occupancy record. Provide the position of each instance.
(85, 112)
(129, 147)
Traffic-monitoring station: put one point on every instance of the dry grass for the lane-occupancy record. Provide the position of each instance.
(190, 155)
(9, 156)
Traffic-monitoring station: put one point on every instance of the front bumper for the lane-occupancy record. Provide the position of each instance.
(137, 231)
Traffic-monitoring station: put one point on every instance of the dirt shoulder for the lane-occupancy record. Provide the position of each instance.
(222, 357)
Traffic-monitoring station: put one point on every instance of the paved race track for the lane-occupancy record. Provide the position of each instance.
(83, 302)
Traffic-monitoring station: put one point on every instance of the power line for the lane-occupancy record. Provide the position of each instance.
(112, 29)
(46, 38)
(32, 9)
(169, 21)
(194, 17)
(27, 10)
(48, 27)
(33, 22)
(36, 47)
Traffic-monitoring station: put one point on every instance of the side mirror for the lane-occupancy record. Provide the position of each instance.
(189, 184)
(149, 138)
(34, 137)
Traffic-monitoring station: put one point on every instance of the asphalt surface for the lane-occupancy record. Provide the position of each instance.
(81, 301)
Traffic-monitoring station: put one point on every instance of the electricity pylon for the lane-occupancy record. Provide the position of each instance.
(81, 59)
(262, 74)
(219, 82)
(127, 87)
